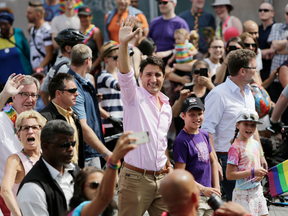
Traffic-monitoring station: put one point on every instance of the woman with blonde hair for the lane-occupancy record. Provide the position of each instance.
(28, 128)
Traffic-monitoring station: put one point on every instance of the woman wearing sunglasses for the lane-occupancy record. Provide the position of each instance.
(86, 186)
(28, 126)
(201, 86)
(94, 189)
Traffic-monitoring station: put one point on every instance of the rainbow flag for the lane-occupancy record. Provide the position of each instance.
(278, 179)
(78, 4)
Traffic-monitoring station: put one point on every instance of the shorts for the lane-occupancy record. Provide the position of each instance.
(204, 209)
(252, 200)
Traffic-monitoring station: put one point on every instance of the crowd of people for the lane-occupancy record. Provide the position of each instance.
(72, 98)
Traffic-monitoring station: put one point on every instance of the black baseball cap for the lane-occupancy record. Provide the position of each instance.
(190, 103)
(84, 10)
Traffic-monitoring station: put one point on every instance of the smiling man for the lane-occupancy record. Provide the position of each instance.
(48, 187)
(63, 94)
(145, 109)
(24, 99)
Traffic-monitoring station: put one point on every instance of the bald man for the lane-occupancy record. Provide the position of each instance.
(251, 27)
(266, 15)
(179, 193)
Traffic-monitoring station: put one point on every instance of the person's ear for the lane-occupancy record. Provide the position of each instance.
(195, 199)
(183, 115)
(237, 125)
(68, 48)
(18, 135)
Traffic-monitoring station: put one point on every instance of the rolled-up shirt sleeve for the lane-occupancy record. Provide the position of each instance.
(214, 108)
(128, 87)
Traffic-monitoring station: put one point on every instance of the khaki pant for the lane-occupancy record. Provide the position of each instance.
(204, 209)
(139, 192)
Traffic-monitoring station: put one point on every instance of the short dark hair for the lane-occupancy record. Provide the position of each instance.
(79, 181)
(238, 59)
(58, 82)
(51, 130)
(147, 46)
(153, 60)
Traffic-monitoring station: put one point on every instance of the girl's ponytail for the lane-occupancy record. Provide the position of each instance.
(235, 135)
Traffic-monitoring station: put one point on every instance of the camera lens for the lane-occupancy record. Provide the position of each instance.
(215, 202)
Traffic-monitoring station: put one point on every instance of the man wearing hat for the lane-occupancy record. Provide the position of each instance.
(192, 149)
(107, 85)
(197, 18)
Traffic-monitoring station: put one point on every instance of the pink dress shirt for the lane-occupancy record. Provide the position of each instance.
(141, 114)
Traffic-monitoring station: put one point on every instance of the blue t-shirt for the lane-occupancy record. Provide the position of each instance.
(205, 20)
(87, 108)
(162, 31)
(185, 151)
(51, 11)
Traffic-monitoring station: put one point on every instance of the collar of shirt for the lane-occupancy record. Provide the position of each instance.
(234, 87)
(62, 111)
(78, 77)
(284, 26)
(54, 173)
(163, 98)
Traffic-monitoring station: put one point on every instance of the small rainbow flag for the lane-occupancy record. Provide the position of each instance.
(78, 4)
(278, 179)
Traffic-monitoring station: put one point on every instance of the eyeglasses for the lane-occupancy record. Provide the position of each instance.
(265, 10)
(196, 71)
(216, 47)
(72, 91)
(26, 95)
(163, 2)
(250, 44)
(92, 185)
(114, 57)
(253, 68)
(65, 145)
(26, 127)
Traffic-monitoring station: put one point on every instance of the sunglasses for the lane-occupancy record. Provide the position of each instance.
(114, 57)
(197, 71)
(252, 117)
(253, 68)
(163, 2)
(65, 145)
(250, 44)
(73, 90)
(92, 185)
(286, 13)
(265, 10)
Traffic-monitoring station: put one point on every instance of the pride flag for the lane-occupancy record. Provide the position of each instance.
(278, 179)
(78, 4)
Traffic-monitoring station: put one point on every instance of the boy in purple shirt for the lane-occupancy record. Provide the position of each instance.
(193, 152)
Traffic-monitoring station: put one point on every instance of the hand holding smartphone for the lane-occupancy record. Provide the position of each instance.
(142, 137)
(204, 72)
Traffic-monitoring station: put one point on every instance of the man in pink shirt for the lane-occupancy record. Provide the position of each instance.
(145, 109)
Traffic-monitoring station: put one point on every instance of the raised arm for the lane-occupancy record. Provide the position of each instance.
(125, 35)
(107, 186)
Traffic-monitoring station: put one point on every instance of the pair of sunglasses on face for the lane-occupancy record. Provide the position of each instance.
(92, 185)
(72, 91)
(250, 44)
(65, 145)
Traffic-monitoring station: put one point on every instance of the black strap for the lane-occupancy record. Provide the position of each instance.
(33, 36)
(28, 58)
(58, 66)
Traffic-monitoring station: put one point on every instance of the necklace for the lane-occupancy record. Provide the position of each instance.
(11, 113)
(196, 145)
(28, 157)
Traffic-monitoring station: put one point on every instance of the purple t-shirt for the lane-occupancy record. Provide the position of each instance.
(162, 31)
(185, 152)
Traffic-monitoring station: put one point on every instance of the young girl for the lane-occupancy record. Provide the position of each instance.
(244, 164)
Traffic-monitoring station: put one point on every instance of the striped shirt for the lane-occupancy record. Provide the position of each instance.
(182, 55)
(278, 32)
(111, 102)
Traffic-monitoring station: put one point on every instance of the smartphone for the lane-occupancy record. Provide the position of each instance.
(142, 137)
(232, 47)
(204, 72)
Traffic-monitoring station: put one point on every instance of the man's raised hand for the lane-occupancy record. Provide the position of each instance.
(125, 32)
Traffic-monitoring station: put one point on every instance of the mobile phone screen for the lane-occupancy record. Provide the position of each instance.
(204, 72)
(142, 137)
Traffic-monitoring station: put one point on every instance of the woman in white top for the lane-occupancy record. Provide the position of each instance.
(215, 54)
(222, 9)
